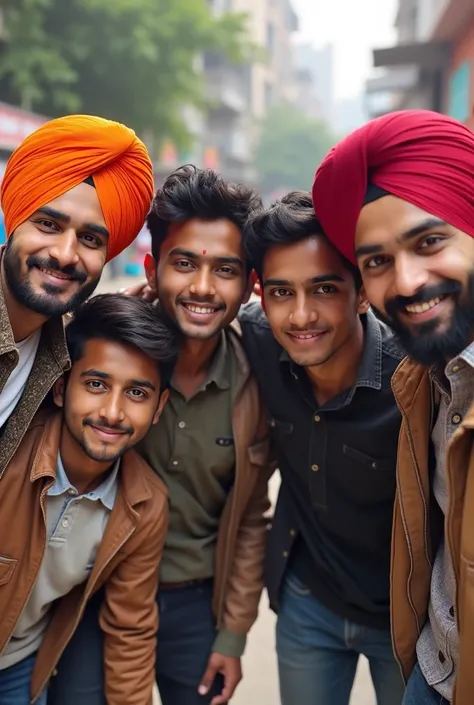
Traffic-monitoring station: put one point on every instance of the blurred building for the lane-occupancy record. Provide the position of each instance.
(432, 65)
(315, 80)
(240, 95)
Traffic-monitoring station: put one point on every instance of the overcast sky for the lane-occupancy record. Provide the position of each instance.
(355, 27)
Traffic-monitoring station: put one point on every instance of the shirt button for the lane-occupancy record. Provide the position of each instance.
(317, 418)
(315, 468)
(292, 532)
(285, 554)
(71, 492)
(272, 423)
(441, 657)
(182, 424)
(175, 462)
(456, 419)
(456, 368)
(64, 523)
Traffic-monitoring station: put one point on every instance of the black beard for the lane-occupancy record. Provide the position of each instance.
(47, 305)
(428, 346)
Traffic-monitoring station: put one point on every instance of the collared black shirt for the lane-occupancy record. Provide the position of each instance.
(337, 462)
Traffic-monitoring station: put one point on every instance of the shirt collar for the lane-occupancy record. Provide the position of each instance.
(370, 368)
(105, 492)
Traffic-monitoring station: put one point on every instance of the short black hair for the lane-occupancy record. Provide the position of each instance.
(127, 320)
(287, 221)
(189, 193)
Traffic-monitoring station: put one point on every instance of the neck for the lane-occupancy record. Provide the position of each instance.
(193, 362)
(23, 320)
(83, 473)
(340, 372)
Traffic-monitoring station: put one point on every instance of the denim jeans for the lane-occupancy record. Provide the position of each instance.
(318, 653)
(185, 637)
(418, 691)
(15, 683)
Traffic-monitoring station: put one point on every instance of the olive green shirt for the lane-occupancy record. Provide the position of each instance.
(192, 450)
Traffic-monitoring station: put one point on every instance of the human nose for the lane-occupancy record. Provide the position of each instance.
(202, 284)
(112, 410)
(410, 275)
(63, 248)
(302, 314)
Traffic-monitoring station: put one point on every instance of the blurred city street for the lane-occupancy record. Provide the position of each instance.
(260, 683)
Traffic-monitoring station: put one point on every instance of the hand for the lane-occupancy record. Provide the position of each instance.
(143, 290)
(230, 668)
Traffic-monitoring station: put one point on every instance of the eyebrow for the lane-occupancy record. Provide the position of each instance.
(64, 218)
(193, 255)
(131, 382)
(314, 280)
(428, 224)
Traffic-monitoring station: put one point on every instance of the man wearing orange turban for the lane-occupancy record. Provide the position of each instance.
(74, 195)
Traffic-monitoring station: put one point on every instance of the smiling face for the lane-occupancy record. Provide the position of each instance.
(311, 300)
(111, 398)
(201, 276)
(54, 260)
(418, 273)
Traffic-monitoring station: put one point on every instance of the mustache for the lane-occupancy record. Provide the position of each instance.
(398, 303)
(50, 263)
(108, 427)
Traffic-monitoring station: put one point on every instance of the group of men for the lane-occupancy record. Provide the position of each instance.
(139, 431)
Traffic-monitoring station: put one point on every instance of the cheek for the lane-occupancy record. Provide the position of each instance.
(93, 262)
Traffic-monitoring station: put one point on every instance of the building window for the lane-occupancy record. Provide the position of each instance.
(459, 93)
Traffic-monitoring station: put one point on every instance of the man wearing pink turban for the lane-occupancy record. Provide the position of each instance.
(397, 197)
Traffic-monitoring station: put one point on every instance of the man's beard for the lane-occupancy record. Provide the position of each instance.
(46, 304)
(428, 345)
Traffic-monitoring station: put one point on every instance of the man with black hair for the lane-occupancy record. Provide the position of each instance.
(210, 448)
(80, 510)
(324, 364)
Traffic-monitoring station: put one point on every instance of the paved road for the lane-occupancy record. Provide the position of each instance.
(260, 684)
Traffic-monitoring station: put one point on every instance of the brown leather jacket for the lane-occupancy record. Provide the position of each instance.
(127, 563)
(412, 550)
(241, 543)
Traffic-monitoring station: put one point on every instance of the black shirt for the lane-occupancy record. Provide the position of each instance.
(337, 462)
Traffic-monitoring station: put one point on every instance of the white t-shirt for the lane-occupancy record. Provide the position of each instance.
(13, 389)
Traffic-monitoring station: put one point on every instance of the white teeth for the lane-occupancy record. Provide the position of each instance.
(422, 308)
(58, 275)
(200, 309)
(305, 337)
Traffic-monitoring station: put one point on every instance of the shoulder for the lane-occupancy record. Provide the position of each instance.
(257, 337)
(391, 346)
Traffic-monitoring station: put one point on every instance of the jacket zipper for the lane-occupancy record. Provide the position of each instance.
(80, 615)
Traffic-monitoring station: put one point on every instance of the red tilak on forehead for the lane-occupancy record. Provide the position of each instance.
(204, 252)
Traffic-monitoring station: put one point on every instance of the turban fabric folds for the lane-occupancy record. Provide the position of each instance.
(62, 154)
(420, 156)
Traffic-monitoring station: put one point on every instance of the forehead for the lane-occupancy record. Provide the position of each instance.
(122, 362)
(217, 237)
(80, 203)
(307, 259)
(386, 220)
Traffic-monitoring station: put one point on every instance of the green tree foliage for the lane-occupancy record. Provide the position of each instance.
(290, 147)
(129, 60)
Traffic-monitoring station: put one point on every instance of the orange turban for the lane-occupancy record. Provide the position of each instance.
(62, 154)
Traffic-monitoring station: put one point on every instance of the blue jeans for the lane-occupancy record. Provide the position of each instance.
(318, 653)
(186, 634)
(15, 683)
(418, 691)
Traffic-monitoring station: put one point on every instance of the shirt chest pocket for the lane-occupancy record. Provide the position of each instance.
(7, 568)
